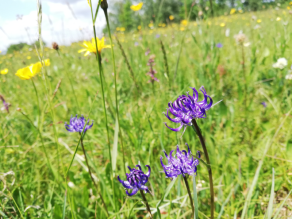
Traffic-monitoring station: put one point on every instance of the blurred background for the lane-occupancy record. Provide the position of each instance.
(67, 21)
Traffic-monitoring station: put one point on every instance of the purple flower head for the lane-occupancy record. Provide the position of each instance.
(157, 35)
(5, 104)
(152, 72)
(219, 45)
(187, 107)
(264, 104)
(136, 180)
(136, 44)
(77, 124)
(147, 52)
(183, 163)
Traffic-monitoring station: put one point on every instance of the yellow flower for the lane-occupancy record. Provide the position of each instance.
(122, 29)
(117, 29)
(29, 71)
(182, 29)
(4, 71)
(171, 17)
(290, 3)
(163, 25)
(150, 25)
(240, 11)
(259, 20)
(287, 8)
(137, 7)
(47, 62)
(90, 47)
(139, 27)
(278, 19)
(184, 22)
(232, 11)
(28, 57)
(222, 25)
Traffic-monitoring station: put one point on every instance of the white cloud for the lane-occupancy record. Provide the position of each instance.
(60, 24)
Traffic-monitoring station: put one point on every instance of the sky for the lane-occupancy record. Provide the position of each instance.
(64, 21)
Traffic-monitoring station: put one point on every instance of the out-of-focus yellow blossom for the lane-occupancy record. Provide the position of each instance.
(209, 23)
(259, 20)
(117, 29)
(184, 22)
(150, 25)
(139, 27)
(122, 29)
(28, 57)
(240, 11)
(4, 71)
(163, 25)
(290, 3)
(222, 25)
(278, 19)
(47, 62)
(90, 47)
(288, 8)
(29, 71)
(232, 11)
(137, 7)
(182, 28)
(171, 17)
(195, 24)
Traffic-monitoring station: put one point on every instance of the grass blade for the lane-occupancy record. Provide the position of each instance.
(115, 147)
(195, 198)
(270, 206)
(64, 205)
(165, 195)
(280, 207)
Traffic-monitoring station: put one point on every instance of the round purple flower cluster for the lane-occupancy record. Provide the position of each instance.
(186, 107)
(77, 124)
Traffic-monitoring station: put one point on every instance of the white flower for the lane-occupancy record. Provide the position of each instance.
(247, 44)
(281, 63)
(71, 184)
(227, 32)
(240, 38)
(288, 77)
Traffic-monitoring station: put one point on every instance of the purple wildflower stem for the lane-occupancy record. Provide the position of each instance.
(89, 171)
(197, 129)
(190, 195)
(146, 203)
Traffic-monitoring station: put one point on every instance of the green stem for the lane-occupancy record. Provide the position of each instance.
(71, 84)
(146, 203)
(190, 196)
(115, 76)
(38, 101)
(244, 76)
(42, 140)
(197, 130)
(89, 171)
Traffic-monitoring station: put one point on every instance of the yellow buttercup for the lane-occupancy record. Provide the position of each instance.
(137, 7)
(90, 47)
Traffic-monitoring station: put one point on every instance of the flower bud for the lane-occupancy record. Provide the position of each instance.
(55, 46)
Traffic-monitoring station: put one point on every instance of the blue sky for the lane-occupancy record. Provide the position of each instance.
(18, 21)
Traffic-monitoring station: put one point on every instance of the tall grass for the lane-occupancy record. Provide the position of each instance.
(251, 173)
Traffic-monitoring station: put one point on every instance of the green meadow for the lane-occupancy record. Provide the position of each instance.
(43, 170)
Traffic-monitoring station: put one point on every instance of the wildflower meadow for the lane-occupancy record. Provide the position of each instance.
(182, 118)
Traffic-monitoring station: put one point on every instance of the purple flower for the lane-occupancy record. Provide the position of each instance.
(219, 45)
(157, 35)
(186, 107)
(147, 52)
(152, 72)
(264, 104)
(136, 180)
(77, 124)
(183, 163)
(5, 104)
(136, 44)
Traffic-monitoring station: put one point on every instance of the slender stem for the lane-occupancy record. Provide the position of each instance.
(116, 92)
(190, 195)
(146, 203)
(197, 129)
(70, 80)
(89, 171)
(42, 140)
(244, 76)
(38, 101)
